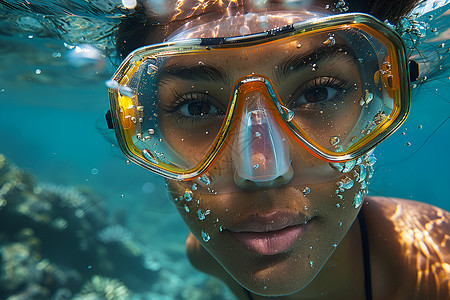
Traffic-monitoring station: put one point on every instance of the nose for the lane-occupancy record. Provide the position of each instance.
(261, 156)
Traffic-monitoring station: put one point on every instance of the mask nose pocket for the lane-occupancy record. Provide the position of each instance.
(261, 153)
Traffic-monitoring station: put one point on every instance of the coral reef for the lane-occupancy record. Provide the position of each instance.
(103, 288)
(50, 243)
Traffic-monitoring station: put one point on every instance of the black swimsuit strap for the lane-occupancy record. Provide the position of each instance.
(366, 256)
(366, 259)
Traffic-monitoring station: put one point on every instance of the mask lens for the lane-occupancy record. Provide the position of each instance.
(337, 91)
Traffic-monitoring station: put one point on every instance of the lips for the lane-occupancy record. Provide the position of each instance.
(270, 234)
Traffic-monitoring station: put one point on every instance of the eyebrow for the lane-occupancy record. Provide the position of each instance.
(195, 72)
(294, 63)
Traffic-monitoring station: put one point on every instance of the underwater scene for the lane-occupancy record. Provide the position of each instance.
(79, 221)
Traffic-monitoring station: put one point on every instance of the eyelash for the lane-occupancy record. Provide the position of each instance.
(177, 100)
(341, 85)
(334, 82)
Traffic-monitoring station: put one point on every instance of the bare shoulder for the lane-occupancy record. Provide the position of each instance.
(410, 248)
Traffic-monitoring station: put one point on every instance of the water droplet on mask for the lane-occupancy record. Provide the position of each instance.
(358, 199)
(205, 236)
(256, 166)
(126, 91)
(257, 134)
(330, 41)
(188, 195)
(306, 190)
(408, 143)
(289, 113)
(112, 84)
(152, 69)
(298, 46)
(205, 180)
(334, 140)
(38, 71)
(149, 156)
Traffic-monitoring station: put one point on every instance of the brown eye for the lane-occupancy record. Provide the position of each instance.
(198, 109)
(316, 94)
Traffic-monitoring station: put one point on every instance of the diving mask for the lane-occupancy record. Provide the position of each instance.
(335, 86)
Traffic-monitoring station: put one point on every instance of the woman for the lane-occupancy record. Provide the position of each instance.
(265, 132)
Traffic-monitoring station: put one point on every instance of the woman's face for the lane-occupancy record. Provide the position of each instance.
(274, 236)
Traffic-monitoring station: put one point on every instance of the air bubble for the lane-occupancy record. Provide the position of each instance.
(420, 126)
(186, 208)
(256, 166)
(408, 143)
(194, 187)
(94, 171)
(311, 264)
(257, 134)
(205, 236)
(151, 131)
(200, 63)
(299, 46)
(358, 199)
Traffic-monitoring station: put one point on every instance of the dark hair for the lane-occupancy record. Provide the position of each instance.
(133, 31)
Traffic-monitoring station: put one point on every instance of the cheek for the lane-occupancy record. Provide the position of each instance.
(195, 209)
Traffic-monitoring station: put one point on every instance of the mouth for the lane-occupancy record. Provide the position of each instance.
(270, 234)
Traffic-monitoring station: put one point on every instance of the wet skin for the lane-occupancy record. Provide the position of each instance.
(274, 239)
